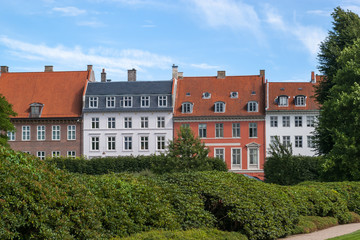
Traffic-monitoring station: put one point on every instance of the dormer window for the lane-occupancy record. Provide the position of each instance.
(300, 100)
(234, 94)
(283, 100)
(110, 102)
(35, 110)
(252, 106)
(126, 102)
(206, 95)
(93, 102)
(219, 107)
(162, 101)
(187, 107)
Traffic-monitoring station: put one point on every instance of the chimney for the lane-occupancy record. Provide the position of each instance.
(132, 75)
(89, 67)
(181, 75)
(313, 79)
(221, 74)
(103, 75)
(48, 68)
(4, 69)
(262, 73)
(174, 71)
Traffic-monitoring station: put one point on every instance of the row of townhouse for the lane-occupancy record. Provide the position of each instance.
(70, 114)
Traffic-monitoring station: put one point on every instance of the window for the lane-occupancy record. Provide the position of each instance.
(127, 122)
(253, 158)
(219, 130)
(144, 143)
(236, 158)
(185, 125)
(111, 143)
(219, 153)
(236, 130)
(94, 143)
(300, 100)
(206, 95)
(145, 101)
(286, 140)
(162, 101)
(25, 133)
(202, 130)
(111, 122)
(310, 142)
(286, 121)
(11, 135)
(187, 107)
(41, 155)
(253, 130)
(219, 107)
(127, 143)
(273, 121)
(71, 154)
(310, 121)
(126, 102)
(283, 101)
(234, 94)
(298, 121)
(94, 122)
(160, 143)
(40, 133)
(110, 102)
(252, 106)
(298, 141)
(160, 122)
(35, 110)
(273, 139)
(93, 102)
(71, 134)
(55, 153)
(144, 122)
(55, 132)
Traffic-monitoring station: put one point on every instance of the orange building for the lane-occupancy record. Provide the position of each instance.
(228, 114)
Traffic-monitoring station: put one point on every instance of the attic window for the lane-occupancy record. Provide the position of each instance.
(300, 100)
(234, 94)
(206, 95)
(187, 94)
(299, 88)
(252, 106)
(219, 107)
(283, 100)
(282, 89)
(35, 110)
(187, 107)
(253, 93)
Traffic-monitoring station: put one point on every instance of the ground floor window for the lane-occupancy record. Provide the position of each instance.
(220, 153)
(41, 155)
(55, 153)
(236, 158)
(71, 154)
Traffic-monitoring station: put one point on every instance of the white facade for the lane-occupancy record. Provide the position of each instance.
(126, 133)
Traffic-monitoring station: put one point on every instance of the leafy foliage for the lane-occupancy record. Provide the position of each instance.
(5, 124)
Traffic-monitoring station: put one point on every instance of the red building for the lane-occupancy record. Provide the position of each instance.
(228, 114)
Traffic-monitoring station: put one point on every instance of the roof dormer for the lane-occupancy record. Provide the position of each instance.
(35, 110)
(300, 100)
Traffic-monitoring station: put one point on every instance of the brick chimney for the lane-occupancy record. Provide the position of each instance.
(4, 69)
(313, 79)
(103, 75)
(221, 74)
(181, 75)
(49, 69)
(132, 75)
(262, 73)
(89, 67)
(174, 71)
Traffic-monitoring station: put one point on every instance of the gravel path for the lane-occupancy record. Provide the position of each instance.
(327, 233)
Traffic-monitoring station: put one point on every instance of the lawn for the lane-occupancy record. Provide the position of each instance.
(350, 236)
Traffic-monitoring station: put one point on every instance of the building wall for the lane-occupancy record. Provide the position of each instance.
(119, 132)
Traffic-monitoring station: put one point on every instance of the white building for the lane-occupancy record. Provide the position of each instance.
(127, 118)
(291, 114)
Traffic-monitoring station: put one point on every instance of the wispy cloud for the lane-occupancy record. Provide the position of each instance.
(94, 24)
(69, 11)
(204, 66)
(319, 13)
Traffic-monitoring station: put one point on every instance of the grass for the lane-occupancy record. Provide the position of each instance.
(350, 236)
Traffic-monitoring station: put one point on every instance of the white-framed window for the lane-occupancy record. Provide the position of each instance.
(298, 121)
(55, 153)
(71, 154)
(253, 130)
(25, 134)
(144, 123)
(111, 122)
(283, 101)
(236, 158)
(162, 101)
(55, 132)
(219, 130)
(206, 95)
(300, 100)
(144, 143)
(187, 107)
(236, 130)
(127, 122)
(234, 94)
(110, 102)
(310, 121)
(286, 140)
(93, 102)
(95, 123)
(160, 142)
(95, 144)
(273, 121)
(298, 141)
(111, 143)
(41, 155)
(11, 135)
(202, 130)
(71, 134)
(160, 122)
(310, 142)
(145, 101)
(220, 153)
(219, 107)
(253, 157)
(126, 101)
(286, 121)
(41, 133)
(127, 143)
(252, 106)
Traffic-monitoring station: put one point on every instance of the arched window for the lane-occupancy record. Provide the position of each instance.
(219, 107)
(283, 100)
(35, 110)
(300, 100)
(187, 107)
(252, 106)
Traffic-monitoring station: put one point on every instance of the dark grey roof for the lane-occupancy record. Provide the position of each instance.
(120, 88)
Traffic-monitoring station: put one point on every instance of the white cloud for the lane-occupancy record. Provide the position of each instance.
(319, 13)
(204, 66)
(69, 11)
(90, 24)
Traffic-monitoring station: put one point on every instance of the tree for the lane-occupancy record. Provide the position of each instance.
(5, 124)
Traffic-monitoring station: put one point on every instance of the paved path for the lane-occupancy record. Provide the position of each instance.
(327, 233)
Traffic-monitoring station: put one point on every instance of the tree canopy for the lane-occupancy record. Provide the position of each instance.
(5, 124)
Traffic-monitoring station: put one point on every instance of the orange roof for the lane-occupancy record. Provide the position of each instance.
(191, 89)
(60, 92)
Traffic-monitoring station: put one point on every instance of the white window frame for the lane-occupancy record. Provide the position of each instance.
(95, 123)
(253, 164)
(71, 132)
(283, 101)
(253, 130)
(25, 133)
(300, 100)
(219, 130)
(219, 107)
(40, 133)
(162, 101)
(236, 133)
(237, 165)
(111, 143)
(128, 143)
(253, 106)
(286, 140)
(94, 143)
(144, 122)
(111, 124)
(56, 132)
(219, 153)
(160, 123)
(202, 130)
(160, 143)
(55, 154)
(310, 141)
(273, 121)
(310, 121)
(144, 143)
(187, 107)
(298, 121)
(71, 154)
(127, 122)
(11, 135)
(93, 102)
(110, 102)
(145, 101)
(40, 155)
(286, 121)
(298, 141)
(126, 101)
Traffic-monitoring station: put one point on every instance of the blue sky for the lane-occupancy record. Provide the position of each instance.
(200, 36)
